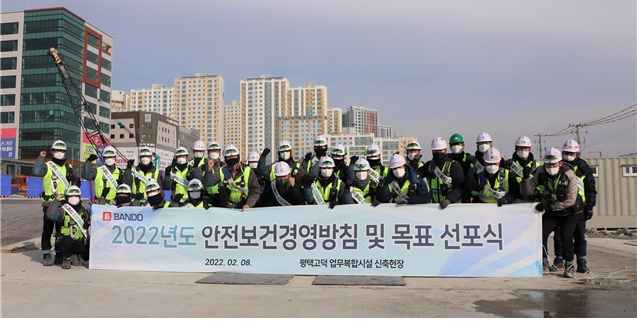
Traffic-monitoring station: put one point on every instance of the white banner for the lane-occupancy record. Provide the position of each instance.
(413, 240)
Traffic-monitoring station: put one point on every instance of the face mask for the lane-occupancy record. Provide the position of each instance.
(59, 155)
(361, 176)
(213, 155)
(285, 155)
(326, 172)
(456, 149)
(411, 156)
(154, 198)
(439, 156)
(399, 172)
(232, 161)
(569, 158)
(253, 165)
(522, 154)
(119, 200)
(339, 162)
(198, 154)
(145, 160)
(374, 162)
(282, 183)
(320, 152)
(194, 195)
(552, 171)
(74, 200)
(483, 147)
(181, 160)
(109, 161)
(492, 169)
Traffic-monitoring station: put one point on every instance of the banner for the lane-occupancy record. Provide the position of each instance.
(414, 240)
(7, 143)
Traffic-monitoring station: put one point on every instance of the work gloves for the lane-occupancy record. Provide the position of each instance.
(445, 203)
(502, 201)
(91, 158)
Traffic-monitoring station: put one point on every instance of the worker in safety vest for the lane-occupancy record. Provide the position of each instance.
(327, 188)
(238, 184)
(57, 176)
(523, 163)
(402, 185)
(214, 164)
(284, 190)
(363, 189)
(142, 173)
(413, 155)
(502, 187)
(74, 219)
(178, 175)
(466, 161)
(586, 181)
(196, 197)
(444, 175)
(372, 154)
(561, 201)
(285, 155)
(108, 176)
(310, 161)
(156, 196)
(199, 155)
(345, 173)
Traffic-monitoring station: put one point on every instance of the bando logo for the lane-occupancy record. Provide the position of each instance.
(107, 216)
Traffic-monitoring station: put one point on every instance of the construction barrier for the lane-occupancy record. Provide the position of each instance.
(5, 185)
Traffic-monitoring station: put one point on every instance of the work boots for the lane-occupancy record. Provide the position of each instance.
(66, 264)
(581, 266)
(569, 270)
(76, 260)
(559, 264)
(46, 260)
(58, 259)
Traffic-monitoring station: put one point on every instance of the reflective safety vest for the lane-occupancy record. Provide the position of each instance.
(139, 186)
(68, 229)
(364, 192)
(200, 205)
(100, 182)
(501, 184)
(297, 165)
(404, 189)
(548, 191)
(177, 188)
(242, 181)
(51, 186)
(438, 189)
(325, 191)
(213, 190)
(382, 171)
(534, 164)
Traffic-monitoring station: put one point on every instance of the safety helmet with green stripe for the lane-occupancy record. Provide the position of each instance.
(338, 150)
(214, 145)
(109, 151)
(73, 191)
(195, 185)
(361, 165)
(145, 151)
(230, 150)
(151, 186)
(327, 162)
(58, 145)
(284, 145)
(413, 145)
(372, 151)
(320, 140)
(456, 139)
(123, 189)
(181, 151)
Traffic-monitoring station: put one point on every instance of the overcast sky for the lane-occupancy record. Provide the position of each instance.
(431, 68)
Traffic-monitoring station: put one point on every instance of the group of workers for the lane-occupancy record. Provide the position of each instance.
(563, 185)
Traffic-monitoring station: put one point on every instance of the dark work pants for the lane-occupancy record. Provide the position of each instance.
(579, 243)
(567, 225)
(47, 231)
(69, 246)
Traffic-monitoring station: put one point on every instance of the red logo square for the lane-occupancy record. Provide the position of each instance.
(106, 216)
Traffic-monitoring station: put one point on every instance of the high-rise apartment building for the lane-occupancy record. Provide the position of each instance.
(198, 104)
(120, 101)
(335, 121)
(36, 109)
(234, 119)
(364, 120)
(384, 131)
(158, 99)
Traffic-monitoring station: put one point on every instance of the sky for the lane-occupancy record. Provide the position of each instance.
(431, 68)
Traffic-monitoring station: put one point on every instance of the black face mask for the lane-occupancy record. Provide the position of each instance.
(181, 167)
(282, 184)
(439, 156)
(232, 161)
(119, 200)
(320, 151)
(154, 200)
(59, 162)
(339, 163)
(374, 162)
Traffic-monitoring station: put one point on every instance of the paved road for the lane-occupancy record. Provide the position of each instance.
(21, 219)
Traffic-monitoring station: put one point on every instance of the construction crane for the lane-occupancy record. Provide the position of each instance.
(86, 118)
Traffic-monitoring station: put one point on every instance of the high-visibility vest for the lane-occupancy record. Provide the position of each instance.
(501, 183)
(235, 194)
(404, 189)
(65, 229)
(48, 182)
(325, 191)
(139, 186)
(176, 187)
(364, 192)
(118, 175)
(438, 188)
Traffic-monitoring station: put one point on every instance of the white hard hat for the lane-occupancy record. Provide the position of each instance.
(361, 165)
(438, 143)
(326, 162)
(195, 185)
(109, 151)
(145, 151)
(339, 150)
(214, 145)
(570, 146)
(281, 169)
(181, 151)
(152, 185)
(73, 191)
(552, 156)
(253, 157)
(412, 144)
(372, 150)
(492, 155)
(199, 145)
(523, 141)
(483, 138)
(320, 140)
(58, 145)
(396, 160)
(230, 150)
(284, 145)
(123, 189)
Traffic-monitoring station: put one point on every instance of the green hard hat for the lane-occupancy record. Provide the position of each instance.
(456, 138)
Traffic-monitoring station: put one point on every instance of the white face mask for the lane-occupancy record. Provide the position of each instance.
(399, 172)
(253, 164)
(198, 154)
(456, 149)
(145, 160)
(213, 155)
(326, 172)
(74, 200)
(109, 161)
(522, 154)
(59, 155)
(285, 155)
(569, 158)
(195, 195)
(181, 160)
(483, 147)
(411, 156)
(361, 175)
(552, 171)
(492, 169)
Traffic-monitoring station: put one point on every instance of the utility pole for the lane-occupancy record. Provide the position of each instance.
(539, 144)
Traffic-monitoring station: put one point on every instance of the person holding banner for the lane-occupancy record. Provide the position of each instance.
(74, 219)
(155, 196)
(310, 161)
(199, 153)
(327, 188)
(107, 177)
(196, 198)
(444, 175)
(402, 185)
(178, 177)
(285, 155)
(238, 184)
(502, 187)
(123, 197)
(561, 201)
(522, 163)
(57, 176)
(284, 189)
(363, 189)
(142, 174)
(466, 161)
(344, 173)
(372, 153)
(213, 164)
